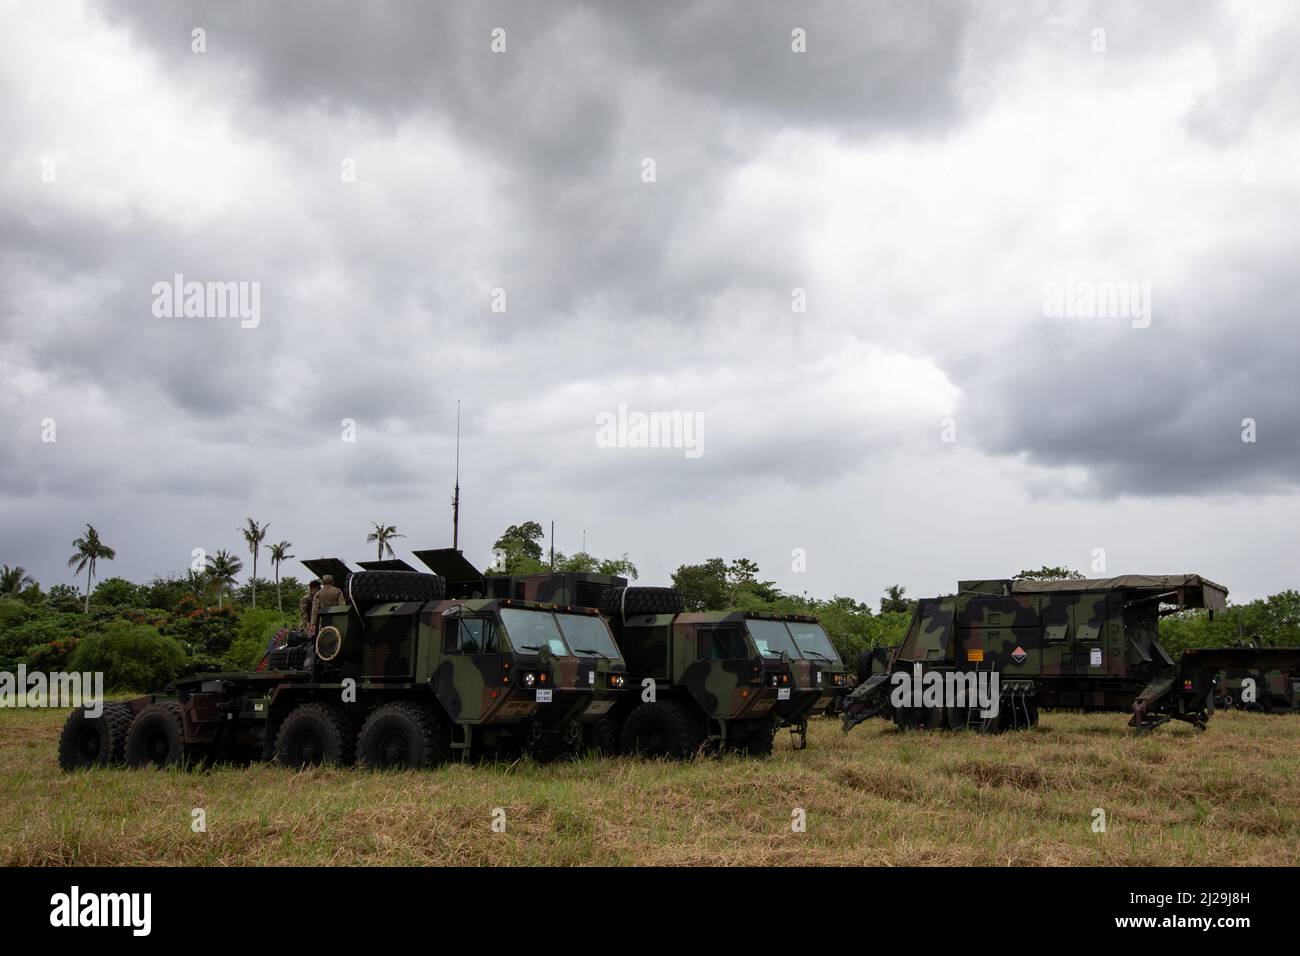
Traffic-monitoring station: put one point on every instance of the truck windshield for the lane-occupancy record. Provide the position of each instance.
(813, 642)
(588, 635)
(771, 637)
(530, 631)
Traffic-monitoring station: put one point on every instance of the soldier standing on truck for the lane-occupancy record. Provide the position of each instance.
(305, 617)
(327, 596)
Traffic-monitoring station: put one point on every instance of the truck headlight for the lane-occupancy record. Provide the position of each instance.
(529, 678)
(617, 680)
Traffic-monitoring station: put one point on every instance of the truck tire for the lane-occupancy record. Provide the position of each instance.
(401, 736)
(157, 737)
(315, 734)
(758, 740)
(640, 601)
(909, 718)
(602, 735)
(377, 587)
(94, 741)
(661, 729)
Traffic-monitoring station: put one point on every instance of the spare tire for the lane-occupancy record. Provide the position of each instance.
(376, 587)
(642, 601)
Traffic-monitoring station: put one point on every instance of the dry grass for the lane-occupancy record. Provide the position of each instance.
(1228, 796)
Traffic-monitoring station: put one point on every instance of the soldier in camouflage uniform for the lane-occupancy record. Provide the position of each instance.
(305, 617)
(327, 596)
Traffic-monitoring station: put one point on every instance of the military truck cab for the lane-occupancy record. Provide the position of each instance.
(818, 675)
(501, 671)
(701, 679)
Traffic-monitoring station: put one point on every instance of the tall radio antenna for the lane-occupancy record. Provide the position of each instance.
(455, 498)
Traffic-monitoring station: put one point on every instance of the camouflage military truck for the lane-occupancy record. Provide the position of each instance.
(1080, 644)
(401, 676)
(723, 679)
(819, 678)
(1258, 689)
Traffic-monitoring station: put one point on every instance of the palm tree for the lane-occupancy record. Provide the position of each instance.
(253, 534)
(279, 552)
(224, 568)
(13, 580)
(894, 600)
(90, 550)
(197, 582)
(383, 534)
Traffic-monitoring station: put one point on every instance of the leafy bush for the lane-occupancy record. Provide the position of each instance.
(131, 656)
(53, 656)
(18, 643)
(13, 613)
(116, 592)
(165, 593)
(63, 597)
(256, 629)
(203, 664)
(205, 630)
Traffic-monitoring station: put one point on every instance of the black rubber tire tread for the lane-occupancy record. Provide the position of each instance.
(377, 587)
(641, 601)
(111, 728)
(680, 733)
(164, 715)
(602, 736)
(758, 740)
(426, 742)
(336, 733)
(909, 718)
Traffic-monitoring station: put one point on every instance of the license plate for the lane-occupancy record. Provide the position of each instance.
(591, 677)
(783, 693)
(544, 696)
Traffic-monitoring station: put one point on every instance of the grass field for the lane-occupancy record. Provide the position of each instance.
(1228, 796)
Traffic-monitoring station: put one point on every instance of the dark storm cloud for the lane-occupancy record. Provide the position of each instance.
(868, 66)
(1157, 411)
(583, 94)
(521, 171)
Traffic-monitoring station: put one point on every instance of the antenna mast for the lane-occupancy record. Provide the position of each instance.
(455, 498)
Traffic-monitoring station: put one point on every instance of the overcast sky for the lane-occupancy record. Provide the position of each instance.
(927, 175)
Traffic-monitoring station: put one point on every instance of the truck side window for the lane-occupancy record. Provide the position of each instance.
(451, 636)
(470, 635)
(718, 644)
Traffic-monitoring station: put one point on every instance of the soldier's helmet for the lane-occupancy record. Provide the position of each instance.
(327, 579)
